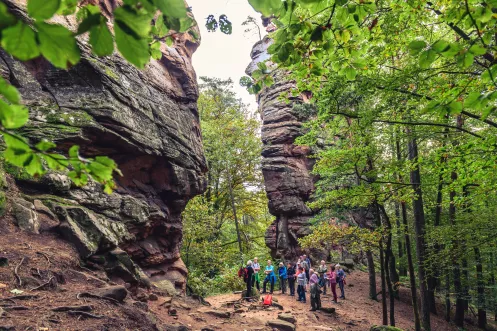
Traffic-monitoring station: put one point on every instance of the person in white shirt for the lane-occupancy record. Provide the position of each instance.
(255, 279)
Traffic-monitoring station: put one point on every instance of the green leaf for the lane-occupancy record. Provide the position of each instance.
(20, 41)
(101, 39)
(285, 51)
(18, 151)
(455, 107)
(465, 60)
(13, 116)
(74, 152)
(416, 46)
(490, 74)
(427, 58)
(477, 50)
(161, 29)
(45, 145)
(172, 8)
(6, 18)
(266, 7)
(9, 92)
(169, 41)
(56, 161)
(472, 100)
(305, 3)
(138, 23)
(440, 46)
(58, 45)
(350, 73)
(33, 165)
(68, 7)
(156, 54)
(42, 9)
(134, 50)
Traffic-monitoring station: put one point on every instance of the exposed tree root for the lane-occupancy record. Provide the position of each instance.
(84, 314)
(16, 270)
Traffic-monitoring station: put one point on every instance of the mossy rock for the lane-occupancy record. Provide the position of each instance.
(384, 328)
(255, 294)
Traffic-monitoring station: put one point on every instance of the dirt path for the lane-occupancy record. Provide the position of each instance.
(357, 312)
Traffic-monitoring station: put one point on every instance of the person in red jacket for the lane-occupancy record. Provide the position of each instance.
(332, 276)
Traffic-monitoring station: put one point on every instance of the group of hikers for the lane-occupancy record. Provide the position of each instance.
(301, 274)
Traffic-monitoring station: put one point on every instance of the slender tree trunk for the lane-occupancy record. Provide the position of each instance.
(388, 254)
(400, 244)
(459, 315)
(382, 269)
(447, 296)
(482, 313)
(372, 276)
(233, 207)
(419, 228)
(407, 240)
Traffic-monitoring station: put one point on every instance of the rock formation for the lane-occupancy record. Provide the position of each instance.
(147, 121)
(286, 168)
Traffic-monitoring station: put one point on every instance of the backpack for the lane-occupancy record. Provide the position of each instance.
(268, 300)
(243, 272)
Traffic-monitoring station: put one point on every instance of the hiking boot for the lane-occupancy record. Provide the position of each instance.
(312, 309)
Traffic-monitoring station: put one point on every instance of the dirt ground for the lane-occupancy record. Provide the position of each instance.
(357, 312)
(39, 273)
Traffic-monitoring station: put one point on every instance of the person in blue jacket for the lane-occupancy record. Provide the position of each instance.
(283, 277)
(341, 280)
(270, 277)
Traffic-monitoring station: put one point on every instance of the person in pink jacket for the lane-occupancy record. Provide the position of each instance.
(332, 276)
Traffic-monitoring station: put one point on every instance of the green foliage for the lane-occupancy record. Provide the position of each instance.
(232, 148)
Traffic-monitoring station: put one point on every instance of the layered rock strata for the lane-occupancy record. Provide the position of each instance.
(147, 121)
(286, 166)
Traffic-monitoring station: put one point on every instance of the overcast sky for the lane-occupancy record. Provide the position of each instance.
(220, 55)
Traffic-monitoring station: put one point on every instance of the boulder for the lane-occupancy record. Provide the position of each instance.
(281, 325)
(349, 263)
(287, 318)
(117, 292)
(25, 216)
(166, 287)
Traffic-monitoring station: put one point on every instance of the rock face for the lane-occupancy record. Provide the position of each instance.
(147, 121)
(286, 168)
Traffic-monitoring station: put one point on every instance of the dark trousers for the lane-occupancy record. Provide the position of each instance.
(249, 289)
(342, 289)
(333, 287)
(323, 281)
(291, 286)
(315, 297)
(283, 285)
(301, 292)
(271, 281)
(307, 274)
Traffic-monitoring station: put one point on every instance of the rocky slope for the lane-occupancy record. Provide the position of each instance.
(286, 168)
(147, 121)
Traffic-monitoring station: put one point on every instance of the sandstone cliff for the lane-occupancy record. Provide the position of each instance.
(147, 121)
(286, 168)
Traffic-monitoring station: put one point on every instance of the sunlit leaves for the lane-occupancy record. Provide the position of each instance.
(13, 116)
(43, 9)
(58, 45)
(20, 41)
(9, 92)
(135, 50)
(101, 39)
(172, 8)
(266, 7)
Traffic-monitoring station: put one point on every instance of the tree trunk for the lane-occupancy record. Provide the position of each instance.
(459, 316)
(372, 276)
(233, 207)
(400, 244)
(447, 296)
(382, 269)
(407, 240)
(388, 254)
(419, 228)
(482, 313)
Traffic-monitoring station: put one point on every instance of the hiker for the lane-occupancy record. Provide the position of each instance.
(341, 280)
(290, 272)
(322, 270)
(282, 273)
(306, 265)
(308, 260)
(315, 291)
(255, 280)
(332, 276)
(249, 273)
(270, 277)
(301, 283)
